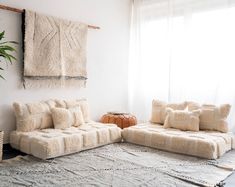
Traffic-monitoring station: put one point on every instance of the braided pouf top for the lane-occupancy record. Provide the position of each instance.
(122, 120)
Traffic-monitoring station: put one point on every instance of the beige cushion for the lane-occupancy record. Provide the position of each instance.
(159, 110)
(33, 116)
(50, 143)
(182, 119)
(73, 103)
(212, 117)
(205, 144)
(65, 118)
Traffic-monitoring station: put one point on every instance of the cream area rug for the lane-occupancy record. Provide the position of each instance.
(119, 164)
(54, 51)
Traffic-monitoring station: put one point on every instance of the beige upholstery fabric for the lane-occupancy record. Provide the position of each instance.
(212, 117)
(183, 120)
(73, 103)
(65, 118)
(205, 144)
(159, 110)
(49, 143)
(33, 116)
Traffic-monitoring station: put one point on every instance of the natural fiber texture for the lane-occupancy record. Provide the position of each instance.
(65, 118)
(1, 143)
(51, 143)
(74, 103)
(205, 144)
(159, 110)
(212, 117)
(121, 120)
(55, 51)
(117, 165)
(31, 116)
(183, 120)
(37, 115)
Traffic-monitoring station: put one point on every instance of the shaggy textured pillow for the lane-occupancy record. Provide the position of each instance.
(182, 119)
(65, 118)
(212, 117)
(74, 103)
(159, 110)
(32, 116)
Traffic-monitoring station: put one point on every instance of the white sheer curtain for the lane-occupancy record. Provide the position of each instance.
(182, 50)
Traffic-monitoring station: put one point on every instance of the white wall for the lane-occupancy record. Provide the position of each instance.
(107, 55)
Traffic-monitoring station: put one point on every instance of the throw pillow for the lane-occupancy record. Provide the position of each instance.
(212, 117)
(74, 103)
(65, 118)
(159, 110)
(182, 119)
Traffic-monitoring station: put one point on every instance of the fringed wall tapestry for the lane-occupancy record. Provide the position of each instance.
(54, 51)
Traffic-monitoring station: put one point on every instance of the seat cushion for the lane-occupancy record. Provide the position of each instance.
(205, 144)
(50, 143)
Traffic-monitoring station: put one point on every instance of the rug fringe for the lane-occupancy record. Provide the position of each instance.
(30, 84)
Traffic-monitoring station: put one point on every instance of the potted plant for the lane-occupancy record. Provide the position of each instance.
(6, 52)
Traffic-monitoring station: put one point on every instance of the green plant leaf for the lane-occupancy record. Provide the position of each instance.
(2, 35)
(11, 42)
(7, 48)
(2, 77)
(6, 51)
(7, 56)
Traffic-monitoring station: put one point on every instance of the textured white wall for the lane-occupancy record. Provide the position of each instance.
(107, 56)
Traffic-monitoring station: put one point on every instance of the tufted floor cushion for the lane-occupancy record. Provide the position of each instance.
(50, 143)
(205, 144)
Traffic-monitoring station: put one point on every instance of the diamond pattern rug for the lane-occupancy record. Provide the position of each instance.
(119, 164)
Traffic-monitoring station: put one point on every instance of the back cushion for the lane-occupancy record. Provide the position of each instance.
(32, 116)
(159, 110)
(212, 117)
(73, 103)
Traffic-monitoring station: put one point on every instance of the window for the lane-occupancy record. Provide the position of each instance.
(186, 51)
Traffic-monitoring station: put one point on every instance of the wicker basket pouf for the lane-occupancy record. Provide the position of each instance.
(1, 143)
(122, 120)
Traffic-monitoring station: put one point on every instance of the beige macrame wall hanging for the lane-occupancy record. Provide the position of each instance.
(54, 51)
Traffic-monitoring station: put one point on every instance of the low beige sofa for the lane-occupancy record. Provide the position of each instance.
(205, 144)
(50, 143)
(35, 133)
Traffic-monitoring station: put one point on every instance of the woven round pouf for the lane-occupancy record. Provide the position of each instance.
(122, 120)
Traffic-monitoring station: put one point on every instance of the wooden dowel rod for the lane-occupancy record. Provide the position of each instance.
(4, 7)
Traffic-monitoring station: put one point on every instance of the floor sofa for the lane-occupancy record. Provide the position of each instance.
(188, 128)
(204, 144)
(36, 136)
(50, 143)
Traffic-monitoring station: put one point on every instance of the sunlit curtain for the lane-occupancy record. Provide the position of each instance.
(182, 50)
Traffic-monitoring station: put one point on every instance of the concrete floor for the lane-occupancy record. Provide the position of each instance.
(8, 153)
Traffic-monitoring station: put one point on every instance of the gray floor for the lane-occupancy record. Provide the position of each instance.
(8, 153)
(230, 181)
